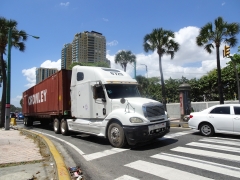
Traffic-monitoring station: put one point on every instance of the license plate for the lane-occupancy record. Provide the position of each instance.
(156, 126)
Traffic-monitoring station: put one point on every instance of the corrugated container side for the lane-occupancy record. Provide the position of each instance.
(49, 97)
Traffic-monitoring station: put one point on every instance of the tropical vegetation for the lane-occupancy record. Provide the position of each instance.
(125, 57)
(162, 41)
(212, 35)
(17, 40)
(96, 64)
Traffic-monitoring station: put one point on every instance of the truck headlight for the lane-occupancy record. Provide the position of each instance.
(135, 120)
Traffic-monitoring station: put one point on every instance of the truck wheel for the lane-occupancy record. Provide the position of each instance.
(64, 127)
(56, 126)
(116, 135)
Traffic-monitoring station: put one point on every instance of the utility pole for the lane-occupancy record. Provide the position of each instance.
(146, 69)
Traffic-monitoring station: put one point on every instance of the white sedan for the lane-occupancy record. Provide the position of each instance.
(223, 118)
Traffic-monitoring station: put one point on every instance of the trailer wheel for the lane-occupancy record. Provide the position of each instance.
(56, 126)
(28, 122)
(64, 127)
(116, 135)
(24, 121)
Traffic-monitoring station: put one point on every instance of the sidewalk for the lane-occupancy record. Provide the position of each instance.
(29, 158)
(176, 122)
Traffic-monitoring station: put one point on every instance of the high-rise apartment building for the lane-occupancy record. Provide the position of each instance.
(66, 56)
(88, 47)
(43, 73)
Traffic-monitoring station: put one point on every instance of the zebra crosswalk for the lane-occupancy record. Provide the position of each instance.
(222, 154)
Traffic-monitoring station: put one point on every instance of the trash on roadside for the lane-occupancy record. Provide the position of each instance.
(75, 172)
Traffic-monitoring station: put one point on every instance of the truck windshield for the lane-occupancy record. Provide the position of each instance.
(116, 91)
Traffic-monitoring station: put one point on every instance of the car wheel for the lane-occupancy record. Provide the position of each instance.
(64, 127)
(206, 129)
(56, 126)
(116, 135)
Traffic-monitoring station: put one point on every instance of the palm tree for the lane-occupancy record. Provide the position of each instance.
(16, 38)
(125, 57)
(162, 41)
(208, 37)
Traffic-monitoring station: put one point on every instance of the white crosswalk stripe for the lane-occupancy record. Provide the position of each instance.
(205, 147)
(212, 146)
(126, 177)
(220, 141)
(164, 171)
(200, 164)
(212, 154)
(101, 154)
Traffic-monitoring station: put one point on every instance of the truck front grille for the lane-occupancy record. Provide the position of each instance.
(154, 111)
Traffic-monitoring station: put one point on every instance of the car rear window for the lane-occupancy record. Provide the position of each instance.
(221, 110)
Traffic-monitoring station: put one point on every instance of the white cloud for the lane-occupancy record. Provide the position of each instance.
(104, 19)
(64, 4)
(190, 61)
(223, 3)
(51, 64)
(112, 43)
(16, 101)
(30, 76)
(31, 73)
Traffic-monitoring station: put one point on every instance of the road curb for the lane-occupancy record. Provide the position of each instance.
(62, 170)
(179, 124)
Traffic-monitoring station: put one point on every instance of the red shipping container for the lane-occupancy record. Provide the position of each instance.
(49, 97)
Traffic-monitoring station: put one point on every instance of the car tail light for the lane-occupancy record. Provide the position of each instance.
(191, 116)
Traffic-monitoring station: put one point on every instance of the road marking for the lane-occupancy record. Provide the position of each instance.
(176, 134)
(212, 146)
(71, 145)
(225, 139)
(200, 164)
(126, 177)
(163, 171)
(227, 142)
(97, 155)
(101, 154)
(207, 153)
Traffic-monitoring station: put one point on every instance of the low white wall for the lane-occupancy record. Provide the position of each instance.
(173, 109)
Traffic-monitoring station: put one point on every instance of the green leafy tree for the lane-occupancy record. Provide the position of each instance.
(215, 34)
(162, 41)
(96, 64)
(21, 102)
(125, 57)
(17, 38)
(235, 62)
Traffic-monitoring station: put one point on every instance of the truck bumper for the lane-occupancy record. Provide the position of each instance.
(138, 134)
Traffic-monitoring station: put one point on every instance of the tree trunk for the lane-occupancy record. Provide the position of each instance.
(3, 102)
(236, 73)
(220, 90)
(162, 83)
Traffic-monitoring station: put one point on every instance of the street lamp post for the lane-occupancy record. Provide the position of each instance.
(8, 88)
(146, 69)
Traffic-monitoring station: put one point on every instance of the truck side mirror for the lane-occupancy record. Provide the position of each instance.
(94, 92)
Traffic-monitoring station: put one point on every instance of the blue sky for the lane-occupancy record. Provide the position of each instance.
(124, 23)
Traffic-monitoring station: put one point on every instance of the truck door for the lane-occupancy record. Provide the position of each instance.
(99, 109)
(83, 107)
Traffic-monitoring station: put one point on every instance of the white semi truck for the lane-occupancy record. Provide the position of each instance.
(96, 101)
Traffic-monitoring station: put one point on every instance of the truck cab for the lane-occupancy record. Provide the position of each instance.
(106, 102)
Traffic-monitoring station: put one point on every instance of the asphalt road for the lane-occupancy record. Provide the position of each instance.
(182, 154)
